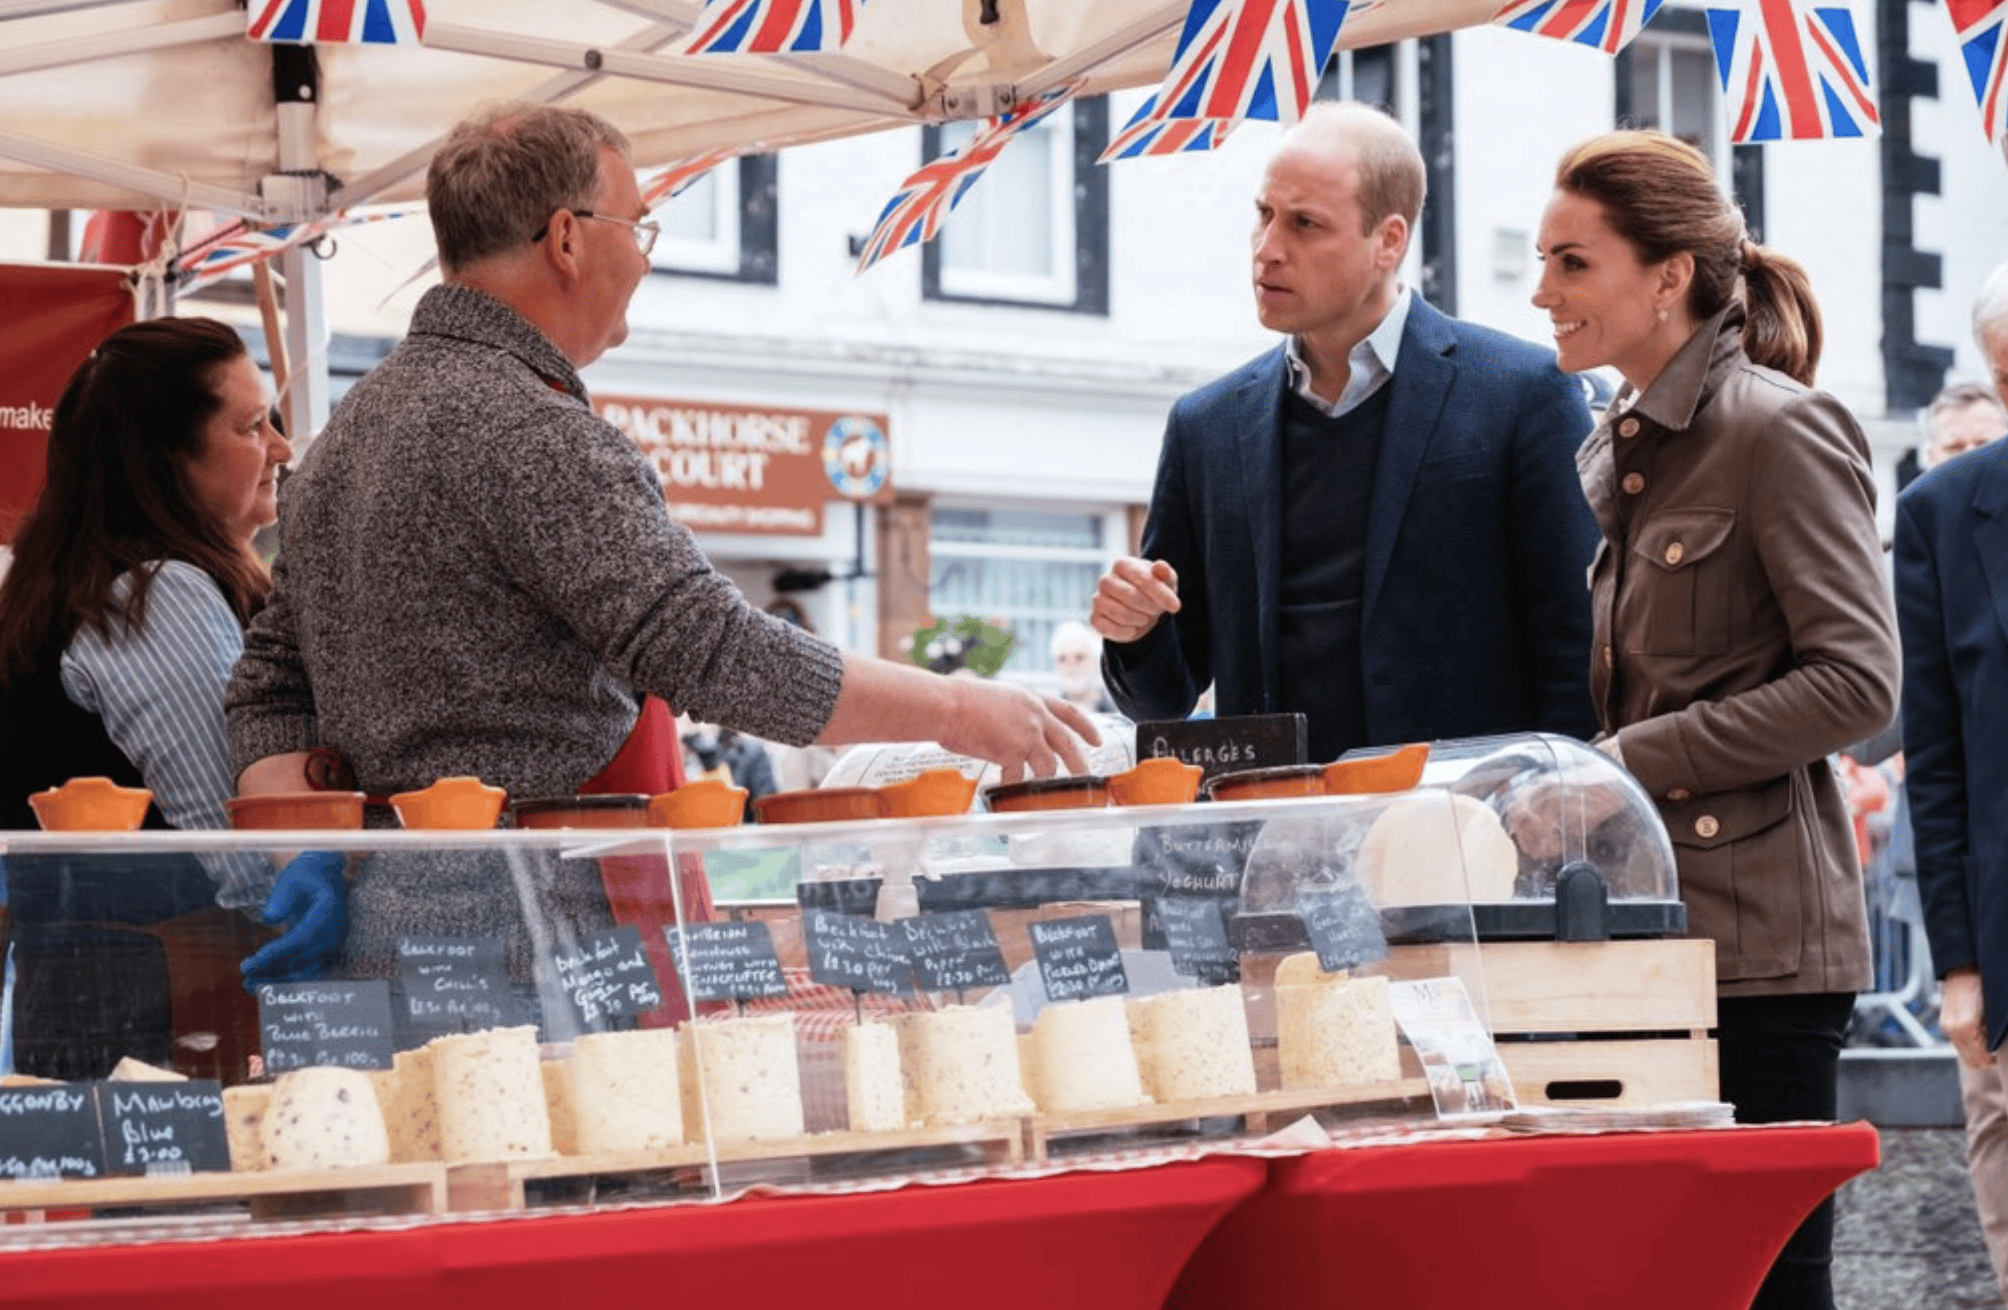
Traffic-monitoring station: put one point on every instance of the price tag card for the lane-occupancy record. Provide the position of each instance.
(1466, 1075)
(955, 950)
(864, 955)
(728, 961)
(1195, 931)
(1079, 958)
(164, 1127)
(49, 1132)
(346, 1024)
(1344, 928)
(607, 975)
(452, 985)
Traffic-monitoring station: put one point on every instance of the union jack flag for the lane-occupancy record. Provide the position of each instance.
(1608, 25)
(239, 245)
(1791, 70)
(1982, 27)
(1248, 59)
(337, 22)
(767, 27)
(672, 181)
(921, 206)
(1149, 134)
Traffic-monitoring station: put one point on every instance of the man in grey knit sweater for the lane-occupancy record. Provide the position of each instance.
(477, 575)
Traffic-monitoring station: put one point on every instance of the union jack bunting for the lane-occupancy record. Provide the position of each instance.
(1982, 27)
(672, 181)
(1791, 70)
(767, 27)
(237, 245)
(1148, 134)
(921, 206)
(1608, 25)
(1241, 59)
(337, 22)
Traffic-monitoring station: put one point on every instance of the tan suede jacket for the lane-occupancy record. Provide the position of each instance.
(1743, 633)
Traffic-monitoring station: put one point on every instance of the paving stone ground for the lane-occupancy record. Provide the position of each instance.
(1906, 1236)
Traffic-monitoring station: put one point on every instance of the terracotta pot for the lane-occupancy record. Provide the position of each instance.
(818, 805)
(610, 811)
(1163, 781)
(706, 803)
(450, 803)
(938, 791)
(297, 810)
(91, 805)
(1070, 793)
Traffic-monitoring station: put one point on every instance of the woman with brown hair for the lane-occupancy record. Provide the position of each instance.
(1743, 625)
(120, 620)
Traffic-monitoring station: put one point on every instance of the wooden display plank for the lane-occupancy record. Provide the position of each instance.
(407, 1188)
(1261, 1111)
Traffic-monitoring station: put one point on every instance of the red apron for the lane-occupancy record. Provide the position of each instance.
(649, 763)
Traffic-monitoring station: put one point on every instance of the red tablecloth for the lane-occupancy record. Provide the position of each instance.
(1113, 1241)
(1686, 1221)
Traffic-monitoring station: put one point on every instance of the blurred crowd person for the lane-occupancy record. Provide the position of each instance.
(1743, 627)
(1376, 523)
(1963, 416)
(1076, 650)
(1952, 606)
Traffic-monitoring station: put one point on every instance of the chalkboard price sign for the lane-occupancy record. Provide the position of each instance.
(346, 1024)
(1344, 928)
(864, 955)
(1195, 930)
(50, 1131)
(164, 1127)
(606, 975)
(453, 985)
(728, 961)
(1226, 745)
(955, 950)
(1079, 958)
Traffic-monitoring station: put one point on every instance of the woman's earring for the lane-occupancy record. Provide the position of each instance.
(1662, 316)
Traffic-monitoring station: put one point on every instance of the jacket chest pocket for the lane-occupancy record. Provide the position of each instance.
(1679, 589)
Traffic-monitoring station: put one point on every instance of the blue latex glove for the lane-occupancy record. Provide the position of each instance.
(312, 897)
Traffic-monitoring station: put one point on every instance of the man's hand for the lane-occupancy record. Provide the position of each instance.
(1026, 734)
(1132, 596)
(1962, 1017)
(312, 897)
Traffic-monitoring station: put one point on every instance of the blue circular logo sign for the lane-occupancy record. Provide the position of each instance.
(856, 457)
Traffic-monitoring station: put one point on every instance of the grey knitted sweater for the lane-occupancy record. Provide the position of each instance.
(477, 575)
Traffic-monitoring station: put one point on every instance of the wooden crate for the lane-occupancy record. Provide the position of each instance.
(1620, 1023)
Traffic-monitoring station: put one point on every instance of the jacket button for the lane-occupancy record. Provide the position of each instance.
(1633, 483)
(1608, 659)
(1680, 794)
(1628, 428)
(1706, 826)
(1674, 553)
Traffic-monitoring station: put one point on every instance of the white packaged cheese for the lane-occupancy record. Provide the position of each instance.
(622, 1091)
(1333, 1031)
(324, 1118)
(750, 1077)
(491, 1096)
(244, 1125)
(410, 1109)
(1192, 1044)
(961, 1065)
(873, 1087)
(1083, 1057)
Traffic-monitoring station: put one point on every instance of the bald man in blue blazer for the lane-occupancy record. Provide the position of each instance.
(1378, 523)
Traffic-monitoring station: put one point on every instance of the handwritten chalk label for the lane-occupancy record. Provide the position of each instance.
(864, 955)
(1227, 745)
(1344, 928)
(955, 950)
(1195, 931)
(164, 1127)
(1195, 859)
(452, 985)
(606, 975)
(728, 961)
(345, 1024)
(1079, 957)
(49, 1132)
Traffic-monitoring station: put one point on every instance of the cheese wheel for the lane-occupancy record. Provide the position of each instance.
(1336, 1034)
(1434, 848)
(1192, 1044)
(873, 1087)
(749, 1075)
(564, 1127)
(244, 1125)
(1083, 1057)
(410, 1109)
(129, 1070)
(961, 1065)
(491, 1096)
(324, 1118)
(622, 1091)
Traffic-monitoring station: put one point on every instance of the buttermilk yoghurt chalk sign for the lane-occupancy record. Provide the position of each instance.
(738, 468)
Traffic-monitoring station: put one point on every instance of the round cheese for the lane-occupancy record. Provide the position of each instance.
(1434, 848)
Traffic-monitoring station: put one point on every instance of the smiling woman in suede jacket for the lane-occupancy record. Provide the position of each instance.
(1743, 625)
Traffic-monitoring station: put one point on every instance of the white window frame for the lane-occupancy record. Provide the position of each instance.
(1056, 287)
(721, 254)
(1659, 46)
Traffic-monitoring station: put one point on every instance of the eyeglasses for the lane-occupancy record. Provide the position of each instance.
(644, 233)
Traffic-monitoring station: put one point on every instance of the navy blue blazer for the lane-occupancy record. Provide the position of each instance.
(1952, 613)
(1476, 614)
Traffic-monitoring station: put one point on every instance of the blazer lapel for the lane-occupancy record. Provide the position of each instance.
(1990, 536)
(1423, 375)
(1261, 487)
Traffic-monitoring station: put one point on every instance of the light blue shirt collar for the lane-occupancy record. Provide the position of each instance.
(1370, 363)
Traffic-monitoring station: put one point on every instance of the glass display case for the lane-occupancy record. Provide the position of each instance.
(527, 1017)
